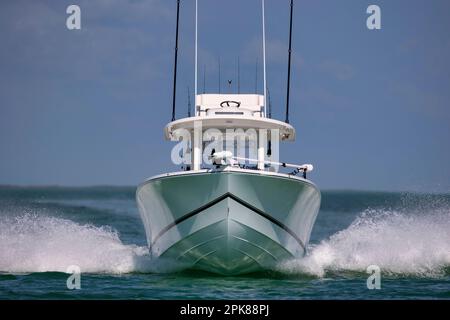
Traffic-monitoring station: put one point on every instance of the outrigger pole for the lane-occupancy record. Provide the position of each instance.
(289, 64)
(175, 64)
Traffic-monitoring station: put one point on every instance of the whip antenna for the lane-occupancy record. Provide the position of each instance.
(204, 78)
(175, 64)
(264, 54)
(189, 102)
(196, 45)
(219, 73)
(238, 75)
(289, 64)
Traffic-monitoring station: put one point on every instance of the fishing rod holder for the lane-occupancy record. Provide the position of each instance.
(223, 158)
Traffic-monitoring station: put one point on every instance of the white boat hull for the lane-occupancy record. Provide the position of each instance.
(228, 222)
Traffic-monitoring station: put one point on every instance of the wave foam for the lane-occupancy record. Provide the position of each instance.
(397, 242)
(33, 243)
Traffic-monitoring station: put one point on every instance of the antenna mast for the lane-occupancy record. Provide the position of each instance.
(175, 64)
(189, 102)
(264, 54)
(238, 75)
(204, 78)
(256, 76)
(196, 45)
(219, 74)
(289, 63)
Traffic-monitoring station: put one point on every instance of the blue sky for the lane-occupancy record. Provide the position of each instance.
(88, 107)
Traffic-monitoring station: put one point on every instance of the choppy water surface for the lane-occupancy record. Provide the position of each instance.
(45, 230)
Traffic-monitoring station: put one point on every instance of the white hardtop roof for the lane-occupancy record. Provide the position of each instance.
(223, 111)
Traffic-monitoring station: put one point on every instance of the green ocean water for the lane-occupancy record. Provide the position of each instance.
(43, 231)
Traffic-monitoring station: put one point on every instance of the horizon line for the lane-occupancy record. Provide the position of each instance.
(94, 186)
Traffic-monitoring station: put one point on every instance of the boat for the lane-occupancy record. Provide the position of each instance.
(230, 210)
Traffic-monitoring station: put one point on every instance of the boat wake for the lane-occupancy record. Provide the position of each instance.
(35, 243)
(397, 242)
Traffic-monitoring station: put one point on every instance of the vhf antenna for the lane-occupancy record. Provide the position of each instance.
(289, 63)
(238, 76)
(175, 64)
(269, 111)
(256, 76)
(219, 73)
(204, 78)
(189, 102)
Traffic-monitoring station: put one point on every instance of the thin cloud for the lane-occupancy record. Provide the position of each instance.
(428, 102)
(276, 52)
(338, 70)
